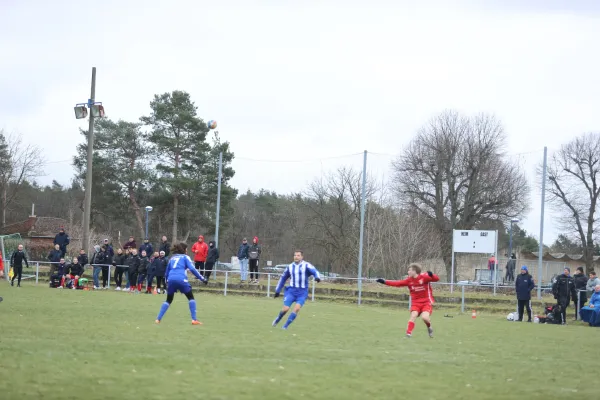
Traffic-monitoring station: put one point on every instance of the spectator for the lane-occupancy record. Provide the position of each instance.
(580, 281)
(119, 264)
(563, 290)
(130, 244)
(73, 272)
(254, 257)
(242, 255)
(161, 268)
(60, 273)
(147, 247)
(164, 246)
(83, 258)
(492, 266)
(133, 262)
(591, 313)
(592, 283)
(62, 240)
(16, 263)
(200, 250)
(142, 270)
(151, 273)
(1, 266)
(510, 268)
(55, 254)
(523, 286)
(96, 268)
(54, 257)
(211, 259)
(105, 261)
(110, 252)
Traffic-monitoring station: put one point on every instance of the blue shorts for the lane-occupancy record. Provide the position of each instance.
(295, 295)
(179, 286)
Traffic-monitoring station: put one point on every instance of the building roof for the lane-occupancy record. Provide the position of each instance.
(558, 256)
(35, 226)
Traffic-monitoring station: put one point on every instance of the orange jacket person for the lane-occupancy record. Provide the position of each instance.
(200, 250)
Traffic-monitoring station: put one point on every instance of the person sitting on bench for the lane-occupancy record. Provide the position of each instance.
(591, 312)
(58, 277)
(73, 272)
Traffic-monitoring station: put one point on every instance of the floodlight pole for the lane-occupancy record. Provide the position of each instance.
(541, 248)
(362, 226)
(219, 200)
(88, 176)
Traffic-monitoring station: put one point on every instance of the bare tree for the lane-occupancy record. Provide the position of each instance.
(334, 208)
(574, 188)
(455, 173)
(21, 162)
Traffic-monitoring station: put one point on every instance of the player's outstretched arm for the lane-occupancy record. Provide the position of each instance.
(282, 280)
(190, 266)
(403, 282)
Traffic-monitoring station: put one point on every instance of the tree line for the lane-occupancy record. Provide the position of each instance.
(454, 174)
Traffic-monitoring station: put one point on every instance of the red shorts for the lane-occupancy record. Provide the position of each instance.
(421, 308)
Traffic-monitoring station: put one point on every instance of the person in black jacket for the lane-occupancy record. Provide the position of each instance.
(151, 272)
(59, 274)
(83, 258)
(16, 262)
(580, 281)
(563, 290)
(523, 286)
(161, 268)
(510, 268)
(142, 270)
(62, 240)
(164, 246)
(133, 262)
(54, 257)
(73, 272)
(211, 259)
(119, 264)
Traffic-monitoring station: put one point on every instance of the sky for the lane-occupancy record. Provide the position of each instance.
(302, 88)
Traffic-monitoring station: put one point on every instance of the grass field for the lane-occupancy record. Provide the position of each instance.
(64, 344)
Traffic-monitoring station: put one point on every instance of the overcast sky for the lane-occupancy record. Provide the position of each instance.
(297, 86)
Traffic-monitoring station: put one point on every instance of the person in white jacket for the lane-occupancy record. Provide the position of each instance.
(592, 282)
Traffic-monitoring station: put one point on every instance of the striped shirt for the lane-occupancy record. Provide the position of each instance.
(298, 275)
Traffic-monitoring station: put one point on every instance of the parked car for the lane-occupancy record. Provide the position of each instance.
(278, 269)
(221, 266)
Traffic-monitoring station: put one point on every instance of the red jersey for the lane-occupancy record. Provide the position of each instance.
(420, 287)
(200, 250)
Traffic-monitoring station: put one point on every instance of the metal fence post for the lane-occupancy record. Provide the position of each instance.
(225, 287)
(37, 272)
(409, 302)
(108, 280)
(268, 285)
(578, 305)
(313, 290)
(462, 301)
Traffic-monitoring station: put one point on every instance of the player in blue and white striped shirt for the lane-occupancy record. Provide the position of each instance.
(298, 273)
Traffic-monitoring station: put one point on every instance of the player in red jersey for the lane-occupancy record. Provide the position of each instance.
(421, 295)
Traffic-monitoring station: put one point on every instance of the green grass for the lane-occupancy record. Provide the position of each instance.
(104, 345)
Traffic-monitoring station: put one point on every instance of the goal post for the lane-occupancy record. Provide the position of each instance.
(474, 241)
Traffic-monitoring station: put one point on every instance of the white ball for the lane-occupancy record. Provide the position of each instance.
(510, 317)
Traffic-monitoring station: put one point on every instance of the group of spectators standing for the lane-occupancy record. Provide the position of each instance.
(565, 289)
(249, 256)
(135, 268)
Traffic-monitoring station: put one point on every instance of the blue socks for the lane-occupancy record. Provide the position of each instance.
(280, 316)
(163, 310)
(192, 305)
(291, 319)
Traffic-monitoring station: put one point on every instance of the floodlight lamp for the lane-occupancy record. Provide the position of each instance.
(97, 111)
(80, 112)
(514, 220)
(148, 208)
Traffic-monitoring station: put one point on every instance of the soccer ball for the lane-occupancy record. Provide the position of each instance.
(212, 124)
(510, 317)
